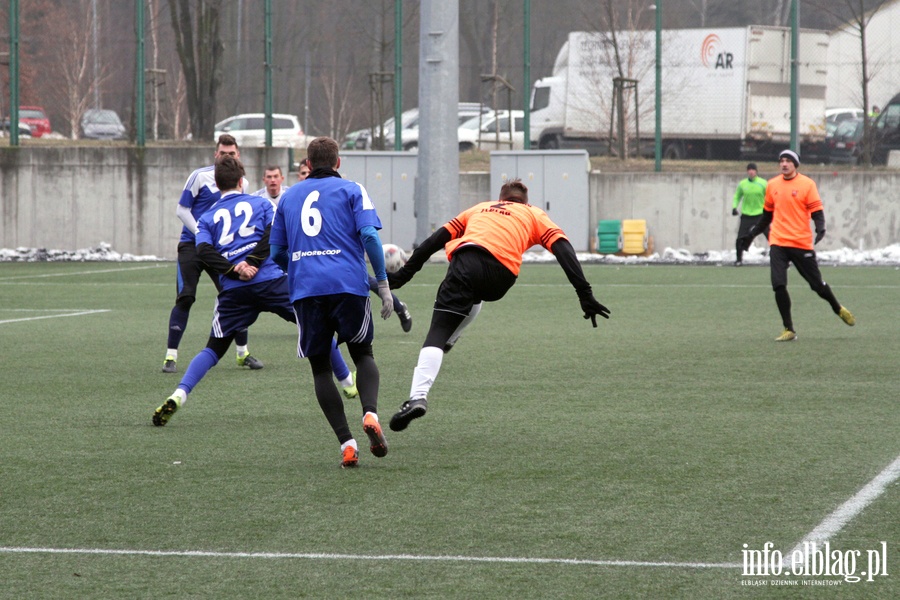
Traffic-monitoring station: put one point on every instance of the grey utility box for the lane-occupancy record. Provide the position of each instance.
(389, 178)
(557, 182)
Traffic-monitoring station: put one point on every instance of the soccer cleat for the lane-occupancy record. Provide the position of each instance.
(349, 457)
(411, 409)
(350, 391)
(248, 361)
(449, 346)
(847, 317)
(162, 414)
(377, 441)
(405, 317)
(169, 365)
(786, 336)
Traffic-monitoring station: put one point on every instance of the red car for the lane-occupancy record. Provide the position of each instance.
(36, 119)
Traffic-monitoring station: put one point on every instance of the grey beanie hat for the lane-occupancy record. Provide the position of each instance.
(791, 155)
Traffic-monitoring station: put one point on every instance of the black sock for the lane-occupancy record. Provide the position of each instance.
(828, 295)
(332, 405)
(783, 300)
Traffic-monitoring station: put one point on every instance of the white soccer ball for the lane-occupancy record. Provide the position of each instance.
(394, 257)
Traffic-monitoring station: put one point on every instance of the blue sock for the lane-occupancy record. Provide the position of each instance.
(199, 366)
(341, 371)
(177, 324)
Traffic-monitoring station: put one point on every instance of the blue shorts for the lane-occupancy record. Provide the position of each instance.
(238, 308)
(320, 317)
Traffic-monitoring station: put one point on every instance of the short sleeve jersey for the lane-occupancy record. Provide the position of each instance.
(505, 229)
(318, 221)
(234, 226)
(199, 194)
(792, 201)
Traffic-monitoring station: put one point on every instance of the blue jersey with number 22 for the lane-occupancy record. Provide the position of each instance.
(318, 221)
(233, 226)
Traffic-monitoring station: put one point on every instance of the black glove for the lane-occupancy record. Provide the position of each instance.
(820, 233)
(591, 307)
(399, 278)
(734, 212)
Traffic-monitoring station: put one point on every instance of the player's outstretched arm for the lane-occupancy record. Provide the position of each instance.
(420, 256)
(565, 256)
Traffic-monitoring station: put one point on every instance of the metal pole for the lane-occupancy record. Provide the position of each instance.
(268, 73)
(96, 66)
(658, 137)
(526, 75)
(795, 69)
(398, 73)
(13, 72)
(140, 109)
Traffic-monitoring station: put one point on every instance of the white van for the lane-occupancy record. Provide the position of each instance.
(250, 130)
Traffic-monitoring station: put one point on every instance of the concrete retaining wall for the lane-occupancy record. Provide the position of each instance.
(72, 198)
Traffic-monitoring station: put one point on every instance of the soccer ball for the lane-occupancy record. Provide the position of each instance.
(394, 257)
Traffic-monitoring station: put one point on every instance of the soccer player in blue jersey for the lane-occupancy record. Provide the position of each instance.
(232, 240)
(400, 307)
(200, 192)
(323, 230)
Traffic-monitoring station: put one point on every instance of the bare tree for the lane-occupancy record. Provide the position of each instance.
(72, 63)
(200, 59)
(860, 14)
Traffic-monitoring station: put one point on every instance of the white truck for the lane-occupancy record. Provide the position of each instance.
(725, 92)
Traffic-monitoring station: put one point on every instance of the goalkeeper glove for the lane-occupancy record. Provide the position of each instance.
(387, 300)
(591, 307)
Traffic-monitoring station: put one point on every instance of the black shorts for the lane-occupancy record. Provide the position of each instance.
(474, 276)
(238, 308)
(189, 269)
(780, 257)
(747, 222)
(320, 317)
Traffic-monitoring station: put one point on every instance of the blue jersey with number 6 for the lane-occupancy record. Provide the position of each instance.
(318, 220)
(233, 226)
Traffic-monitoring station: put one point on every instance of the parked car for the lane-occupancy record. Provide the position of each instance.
(102, 124)
(36, 119)
(250, 130)
(834, 116)
(409, 134)
(24, 129)
(844, 145)
(491, 131)
(887, 132)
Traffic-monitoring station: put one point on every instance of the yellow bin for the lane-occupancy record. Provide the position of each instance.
(634, 236)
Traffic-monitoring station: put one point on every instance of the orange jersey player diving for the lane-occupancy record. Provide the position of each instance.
(485, 245)
(504, 228)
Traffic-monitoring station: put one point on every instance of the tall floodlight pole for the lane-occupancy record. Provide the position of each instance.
(658, 137)
(13, 72)
(795, 71)
(437, 186)
(140, 109)
(96, 64)
(398, 73)
(268, 72)
(526, 74)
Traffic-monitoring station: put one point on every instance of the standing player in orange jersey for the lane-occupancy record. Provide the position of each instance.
(485, 245)
(792, 199)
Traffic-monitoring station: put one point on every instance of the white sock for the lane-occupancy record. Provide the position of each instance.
(465, 323)
(370, 413)
(242, 351)
(349, 443)
(173, 352)
(426, 372)
(182, 396)
(348, 381)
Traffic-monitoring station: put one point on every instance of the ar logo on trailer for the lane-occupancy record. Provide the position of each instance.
(711, 54)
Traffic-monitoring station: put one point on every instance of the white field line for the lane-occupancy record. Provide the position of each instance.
(67, 274)
(66, 314)
(834, 522)
(383, 557)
